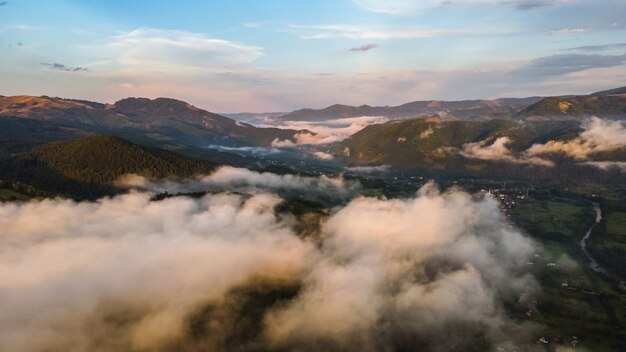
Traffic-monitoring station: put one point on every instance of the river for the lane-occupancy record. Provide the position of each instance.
(593, 263)
(583, 244)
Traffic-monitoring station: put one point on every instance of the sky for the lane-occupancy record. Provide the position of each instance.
(281, 55)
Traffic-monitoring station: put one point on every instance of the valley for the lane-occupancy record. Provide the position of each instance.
(53, 148)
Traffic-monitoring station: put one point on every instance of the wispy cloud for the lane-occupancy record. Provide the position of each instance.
(566, 63)
(407, 7)
(531, 4)
(563, 31)
(365, 47)
(597, 48)
(160, 48)
(61, 67)
(326, 31)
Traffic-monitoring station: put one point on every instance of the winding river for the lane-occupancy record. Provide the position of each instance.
(583, 244)
(593, 263)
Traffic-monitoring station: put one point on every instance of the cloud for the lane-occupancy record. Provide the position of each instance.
(323, 155)
(253, 151)
(61, 67)
(326, 132)
(568, 31)
(498, 151)
(482, 150)
(607, 165)
(379, 284)
(596, 48)
(369, 169)
(396, 7)
(568, 63)
(365, 47)
(224, 273)
(598, 136)
(407, 7)
(327, 31)
(181, 50)
(227, 178)
(531, 4)
(130, 272)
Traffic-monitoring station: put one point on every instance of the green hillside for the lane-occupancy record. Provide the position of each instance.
(428, 143)
(611, 105)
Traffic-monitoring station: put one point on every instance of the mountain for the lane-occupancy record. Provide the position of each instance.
(88, 166)
(436, 145)
(465, 109)
(608, 104)
(620, 90)
(168, 121)
(424, 141)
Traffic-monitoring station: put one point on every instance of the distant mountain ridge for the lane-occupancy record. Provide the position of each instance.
(164, 119)
(466, 109)
(608, 103)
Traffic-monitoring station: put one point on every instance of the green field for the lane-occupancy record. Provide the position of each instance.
(575, 301)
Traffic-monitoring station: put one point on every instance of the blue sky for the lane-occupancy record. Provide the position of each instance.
(270, 55)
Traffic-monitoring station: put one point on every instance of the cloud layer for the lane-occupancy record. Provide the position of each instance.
(326, 132)
(223, 273)
(333, 190)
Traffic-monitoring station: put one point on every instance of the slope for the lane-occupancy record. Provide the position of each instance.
(87, 167)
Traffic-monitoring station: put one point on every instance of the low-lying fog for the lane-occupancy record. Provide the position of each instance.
(225, 272)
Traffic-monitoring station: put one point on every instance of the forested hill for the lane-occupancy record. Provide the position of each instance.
(608, 104)
(87, 167)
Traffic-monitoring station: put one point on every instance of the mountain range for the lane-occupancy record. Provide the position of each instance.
(609, 103)
(163, 120)
(55, 144)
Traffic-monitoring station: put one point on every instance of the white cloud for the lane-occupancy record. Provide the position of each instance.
(369, 169)
(397, 7)
(183, 274)
(407, 7)
(598, 136)
(172, 49)
(228, 178)
(568, 31)
(326, 132)
(365, 275)
(327, 31)
(323, 155)
(607, 165)
(68, 268)
(499, 151)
